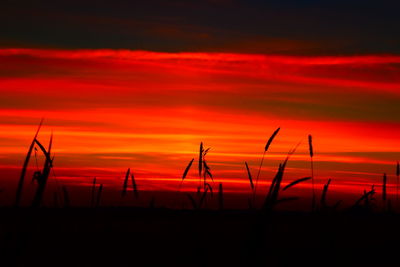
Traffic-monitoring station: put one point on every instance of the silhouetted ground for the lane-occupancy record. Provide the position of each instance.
(161, 237)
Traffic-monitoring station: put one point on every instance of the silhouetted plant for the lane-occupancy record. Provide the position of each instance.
(262, 159)
(25, 167)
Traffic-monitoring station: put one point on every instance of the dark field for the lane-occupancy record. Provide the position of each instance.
(162, 237)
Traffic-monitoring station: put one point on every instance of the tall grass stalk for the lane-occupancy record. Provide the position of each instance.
(262, 160)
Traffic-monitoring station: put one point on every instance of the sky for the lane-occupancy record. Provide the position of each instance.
(141, 84)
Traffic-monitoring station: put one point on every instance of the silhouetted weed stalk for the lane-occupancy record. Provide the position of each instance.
(262, 160)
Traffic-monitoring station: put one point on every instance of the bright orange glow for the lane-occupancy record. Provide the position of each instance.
(114, 109)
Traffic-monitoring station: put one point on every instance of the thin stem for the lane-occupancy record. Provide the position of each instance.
(312, 182)
(258, 175)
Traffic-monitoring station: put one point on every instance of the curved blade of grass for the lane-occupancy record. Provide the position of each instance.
(295, 182)
(45, 153)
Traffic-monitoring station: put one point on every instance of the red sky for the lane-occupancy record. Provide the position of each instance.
(114, 109)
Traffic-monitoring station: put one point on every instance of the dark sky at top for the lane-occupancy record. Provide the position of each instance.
(289, 27)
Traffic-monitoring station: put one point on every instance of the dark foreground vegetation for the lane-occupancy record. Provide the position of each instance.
(364, 234)
(163, 237)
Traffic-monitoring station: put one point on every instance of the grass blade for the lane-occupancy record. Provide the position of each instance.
(296, 182)
(249, 175)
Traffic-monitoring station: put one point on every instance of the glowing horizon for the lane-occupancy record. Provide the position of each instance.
(114, 109)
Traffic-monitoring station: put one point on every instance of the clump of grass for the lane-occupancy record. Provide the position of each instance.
(42, 177)
(199, 204)
(272, 197)
(366, 199)
(269, 142)
(20, 186)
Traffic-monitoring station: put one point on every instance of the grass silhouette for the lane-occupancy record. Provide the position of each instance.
(205, 189)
